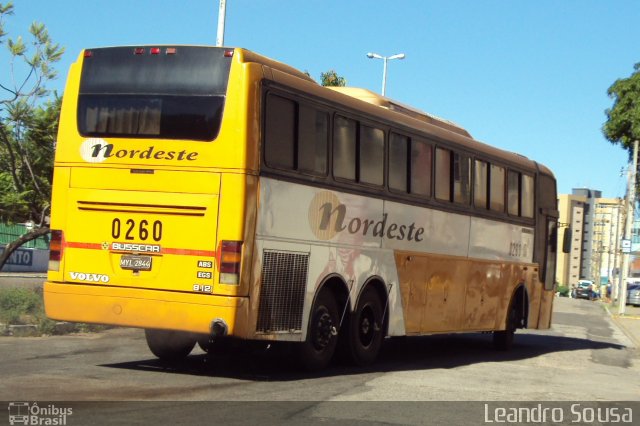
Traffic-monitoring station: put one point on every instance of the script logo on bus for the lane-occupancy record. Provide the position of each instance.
(328, 217)
(96, 150)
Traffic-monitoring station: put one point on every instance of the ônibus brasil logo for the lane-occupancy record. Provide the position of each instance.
(25, 413)
(96, 150)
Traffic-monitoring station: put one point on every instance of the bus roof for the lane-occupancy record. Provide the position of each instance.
(390, 104)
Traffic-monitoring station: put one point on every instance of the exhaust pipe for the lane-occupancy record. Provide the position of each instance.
(219, 328)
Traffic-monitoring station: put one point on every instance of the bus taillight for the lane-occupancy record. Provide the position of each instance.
(56, 249)
(230, 257)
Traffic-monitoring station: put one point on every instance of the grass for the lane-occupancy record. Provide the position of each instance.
(21, 306)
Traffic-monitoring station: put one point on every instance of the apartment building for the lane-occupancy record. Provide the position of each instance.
(596, 226)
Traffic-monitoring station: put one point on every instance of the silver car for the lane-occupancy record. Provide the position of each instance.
(633, 294)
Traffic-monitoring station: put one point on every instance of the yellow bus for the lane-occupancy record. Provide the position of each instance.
(206, 193)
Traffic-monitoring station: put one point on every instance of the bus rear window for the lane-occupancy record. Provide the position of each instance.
(169, 96)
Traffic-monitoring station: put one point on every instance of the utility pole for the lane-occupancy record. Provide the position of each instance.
(221, 18)
(631, 201)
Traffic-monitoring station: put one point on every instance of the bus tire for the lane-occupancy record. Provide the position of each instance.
(366, 328)
(503, 339)
(169, 345)
(317, 350)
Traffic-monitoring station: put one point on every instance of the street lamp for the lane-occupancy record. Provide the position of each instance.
(384, 68)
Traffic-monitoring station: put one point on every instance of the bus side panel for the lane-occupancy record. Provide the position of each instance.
(484, 294)
(546, 310)
(446, 294)
(300, 223)
(535, 292)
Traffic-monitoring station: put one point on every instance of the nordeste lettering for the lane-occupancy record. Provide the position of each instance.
(103, 151)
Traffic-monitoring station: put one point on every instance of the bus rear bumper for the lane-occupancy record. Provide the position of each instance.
(144, 308)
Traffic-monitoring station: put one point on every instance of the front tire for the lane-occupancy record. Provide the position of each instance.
(317, 350)
(169, 345)
(503, 340)
(366, 329)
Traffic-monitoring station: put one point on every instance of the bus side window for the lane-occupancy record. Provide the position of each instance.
(461, 179)
(527, 196)
(371, 155)
(443, 174)
(420, 183)
(481, 184)
(513, 193)
(496, 188)
(313, 134)
(344, 148)
(280, 132)
(398, 162)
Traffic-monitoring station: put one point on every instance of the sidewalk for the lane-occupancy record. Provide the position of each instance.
(22, 279)
(629, 323)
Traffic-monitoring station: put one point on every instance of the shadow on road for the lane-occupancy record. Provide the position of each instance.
(276, 363)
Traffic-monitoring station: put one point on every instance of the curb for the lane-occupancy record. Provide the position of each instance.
(617, 320)
(32, 330)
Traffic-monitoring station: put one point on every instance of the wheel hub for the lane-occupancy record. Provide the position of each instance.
(323, 330)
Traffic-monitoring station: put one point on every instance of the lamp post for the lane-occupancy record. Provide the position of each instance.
(222, 13)
(384, 68)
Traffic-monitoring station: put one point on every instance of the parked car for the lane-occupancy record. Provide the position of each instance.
(633, 294)
(584, 290)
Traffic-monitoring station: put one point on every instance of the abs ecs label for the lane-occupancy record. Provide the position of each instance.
(88, 277)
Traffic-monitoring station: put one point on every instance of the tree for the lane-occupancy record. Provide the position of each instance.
(28, 125)
(331, 78)
(623, 119)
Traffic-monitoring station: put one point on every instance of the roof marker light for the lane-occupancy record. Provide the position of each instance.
(171, 51)
(154, 50)
(138, 51)
(88, 53)
(228, 53)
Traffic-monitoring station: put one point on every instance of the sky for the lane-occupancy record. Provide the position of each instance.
(525, 76)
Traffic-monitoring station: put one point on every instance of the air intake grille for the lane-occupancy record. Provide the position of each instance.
(284, 277)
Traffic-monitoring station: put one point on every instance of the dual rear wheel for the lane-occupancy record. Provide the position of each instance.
(360, 336)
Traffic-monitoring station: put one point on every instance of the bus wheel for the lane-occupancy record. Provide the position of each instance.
(316, 352)
(169, 345)
(503, 340)
(366, 329)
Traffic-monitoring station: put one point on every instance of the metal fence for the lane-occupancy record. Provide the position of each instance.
(9, 233)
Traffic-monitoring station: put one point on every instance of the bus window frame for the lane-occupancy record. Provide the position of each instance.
(297, 100)
(384, 192)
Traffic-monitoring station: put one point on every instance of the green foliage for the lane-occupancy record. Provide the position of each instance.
(19, 306)
(623, 119)
(28, 127)
(26, 306)
(28, 123)
(563, 290)
(331, 78)
(26, 160)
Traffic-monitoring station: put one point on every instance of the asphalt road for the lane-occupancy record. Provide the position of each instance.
(585, 357)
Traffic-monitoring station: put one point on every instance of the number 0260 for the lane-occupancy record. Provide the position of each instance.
(131, 230)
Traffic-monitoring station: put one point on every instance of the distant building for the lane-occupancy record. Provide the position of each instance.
(596, 225)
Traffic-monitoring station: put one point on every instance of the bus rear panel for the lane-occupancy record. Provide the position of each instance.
(141, 236)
